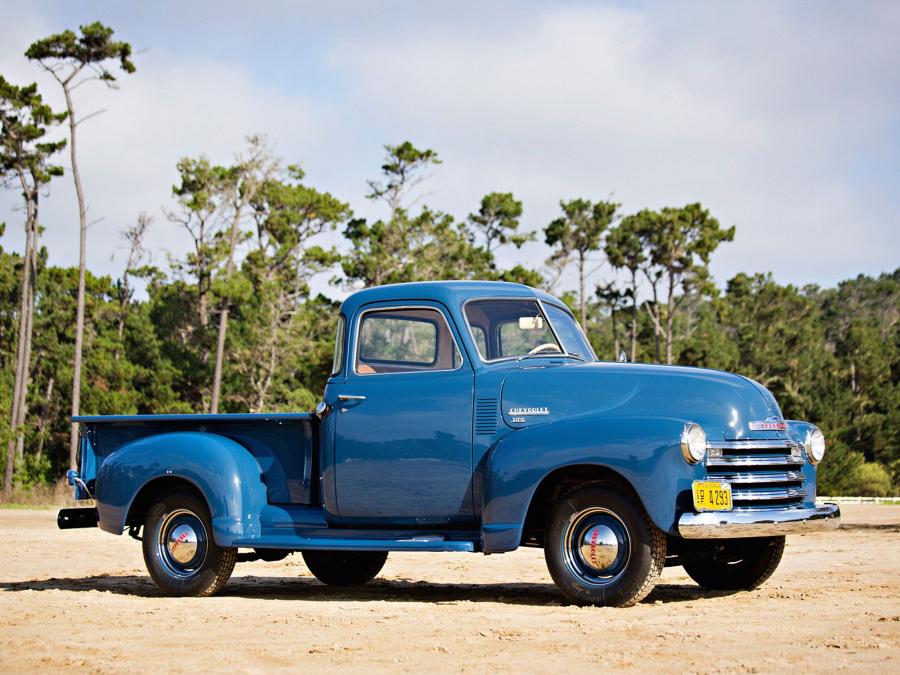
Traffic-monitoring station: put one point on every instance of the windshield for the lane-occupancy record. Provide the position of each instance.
(514, 328)
(568, 330)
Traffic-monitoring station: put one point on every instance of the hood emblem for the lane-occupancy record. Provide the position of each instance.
(528, 412)
(770, 424)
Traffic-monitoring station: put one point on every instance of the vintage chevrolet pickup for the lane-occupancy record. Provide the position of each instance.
(467, 416)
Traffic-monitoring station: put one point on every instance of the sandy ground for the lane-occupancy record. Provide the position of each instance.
(81, 599)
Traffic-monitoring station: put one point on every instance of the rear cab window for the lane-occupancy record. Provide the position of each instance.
(337, 362)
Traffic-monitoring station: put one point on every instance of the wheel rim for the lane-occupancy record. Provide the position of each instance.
(596, 547)
(182, 543)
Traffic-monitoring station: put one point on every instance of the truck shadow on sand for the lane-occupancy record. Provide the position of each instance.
(384, 590)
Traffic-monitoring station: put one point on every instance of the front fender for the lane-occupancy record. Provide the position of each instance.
(644, 451)
(224, 471)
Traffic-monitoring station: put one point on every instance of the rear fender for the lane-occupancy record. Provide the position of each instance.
(643, 451)
(223, 471)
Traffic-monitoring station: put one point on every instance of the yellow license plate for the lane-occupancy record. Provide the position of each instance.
(712, 496)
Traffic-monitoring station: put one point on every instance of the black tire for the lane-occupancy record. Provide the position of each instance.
(624, 568)
(345, 568)
(737, 565)
(178, 565)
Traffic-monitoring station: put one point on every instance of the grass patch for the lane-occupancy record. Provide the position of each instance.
(52, 496)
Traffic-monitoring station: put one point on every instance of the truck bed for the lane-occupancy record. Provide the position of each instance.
(284, 444)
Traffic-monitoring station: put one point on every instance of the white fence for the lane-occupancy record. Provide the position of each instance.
(859, 500)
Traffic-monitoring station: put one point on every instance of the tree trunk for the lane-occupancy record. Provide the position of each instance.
(26, 370)
(123, 308)
(634, 315)
(615, 330)
(82, 262)
(223, 316)
(654, 314)
(581, 298)
(202, 279)
(670, 320)
(220, 356)
(203, 301)
(24, 305)
(16, 443)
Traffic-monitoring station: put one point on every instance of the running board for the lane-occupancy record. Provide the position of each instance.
(331, 543)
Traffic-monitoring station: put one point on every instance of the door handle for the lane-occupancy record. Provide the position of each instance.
(350, 397)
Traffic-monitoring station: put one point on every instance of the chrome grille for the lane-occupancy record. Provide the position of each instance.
(761, 472)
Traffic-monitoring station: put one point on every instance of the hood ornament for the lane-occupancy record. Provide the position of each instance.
(768, 424)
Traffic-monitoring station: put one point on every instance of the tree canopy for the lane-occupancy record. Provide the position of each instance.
(235, 324)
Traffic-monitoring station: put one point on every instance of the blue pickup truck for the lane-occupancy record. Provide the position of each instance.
(467, 416)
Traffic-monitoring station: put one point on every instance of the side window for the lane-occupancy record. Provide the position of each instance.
(405, 340)
(338, 361)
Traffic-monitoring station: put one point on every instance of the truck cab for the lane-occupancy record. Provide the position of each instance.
(468, 416)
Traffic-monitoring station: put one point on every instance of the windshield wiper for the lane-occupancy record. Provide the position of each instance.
(552, 354)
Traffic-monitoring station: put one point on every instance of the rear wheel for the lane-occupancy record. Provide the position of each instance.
(345, 568)
(179, 550)
(737, 565)
(602, 549)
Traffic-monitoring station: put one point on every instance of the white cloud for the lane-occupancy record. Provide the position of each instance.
(754, 113)
(780, 118)
(127, 155)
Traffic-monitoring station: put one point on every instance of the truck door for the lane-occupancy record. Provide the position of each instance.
(403, 419)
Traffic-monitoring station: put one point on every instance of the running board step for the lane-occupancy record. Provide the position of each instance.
(298, 543)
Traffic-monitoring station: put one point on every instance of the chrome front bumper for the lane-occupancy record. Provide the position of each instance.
(758, 523)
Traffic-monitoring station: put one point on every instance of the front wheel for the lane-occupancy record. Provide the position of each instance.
(179, 550)
(602, 549)
(738, 565)
(345, 568)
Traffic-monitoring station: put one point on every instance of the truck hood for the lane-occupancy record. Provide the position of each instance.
(722, 403)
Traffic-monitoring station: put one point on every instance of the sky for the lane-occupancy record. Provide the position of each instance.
(783, 118)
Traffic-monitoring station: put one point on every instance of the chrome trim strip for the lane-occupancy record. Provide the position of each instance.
(739, 478)
(767, 523)
(751, 444)
(763, 494)
(754, 460)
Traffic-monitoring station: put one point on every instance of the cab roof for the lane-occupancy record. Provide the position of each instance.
(450, 293)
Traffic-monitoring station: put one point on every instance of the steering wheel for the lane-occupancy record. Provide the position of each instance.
(545, 347)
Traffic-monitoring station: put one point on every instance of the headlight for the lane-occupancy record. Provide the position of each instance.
(693, 443)
(815, 446)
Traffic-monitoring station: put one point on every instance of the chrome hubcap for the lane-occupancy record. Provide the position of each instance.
(596, 546)
(182, 543)
(599, 547)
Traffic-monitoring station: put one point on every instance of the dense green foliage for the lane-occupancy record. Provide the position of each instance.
(829, 355)
(234, 325)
